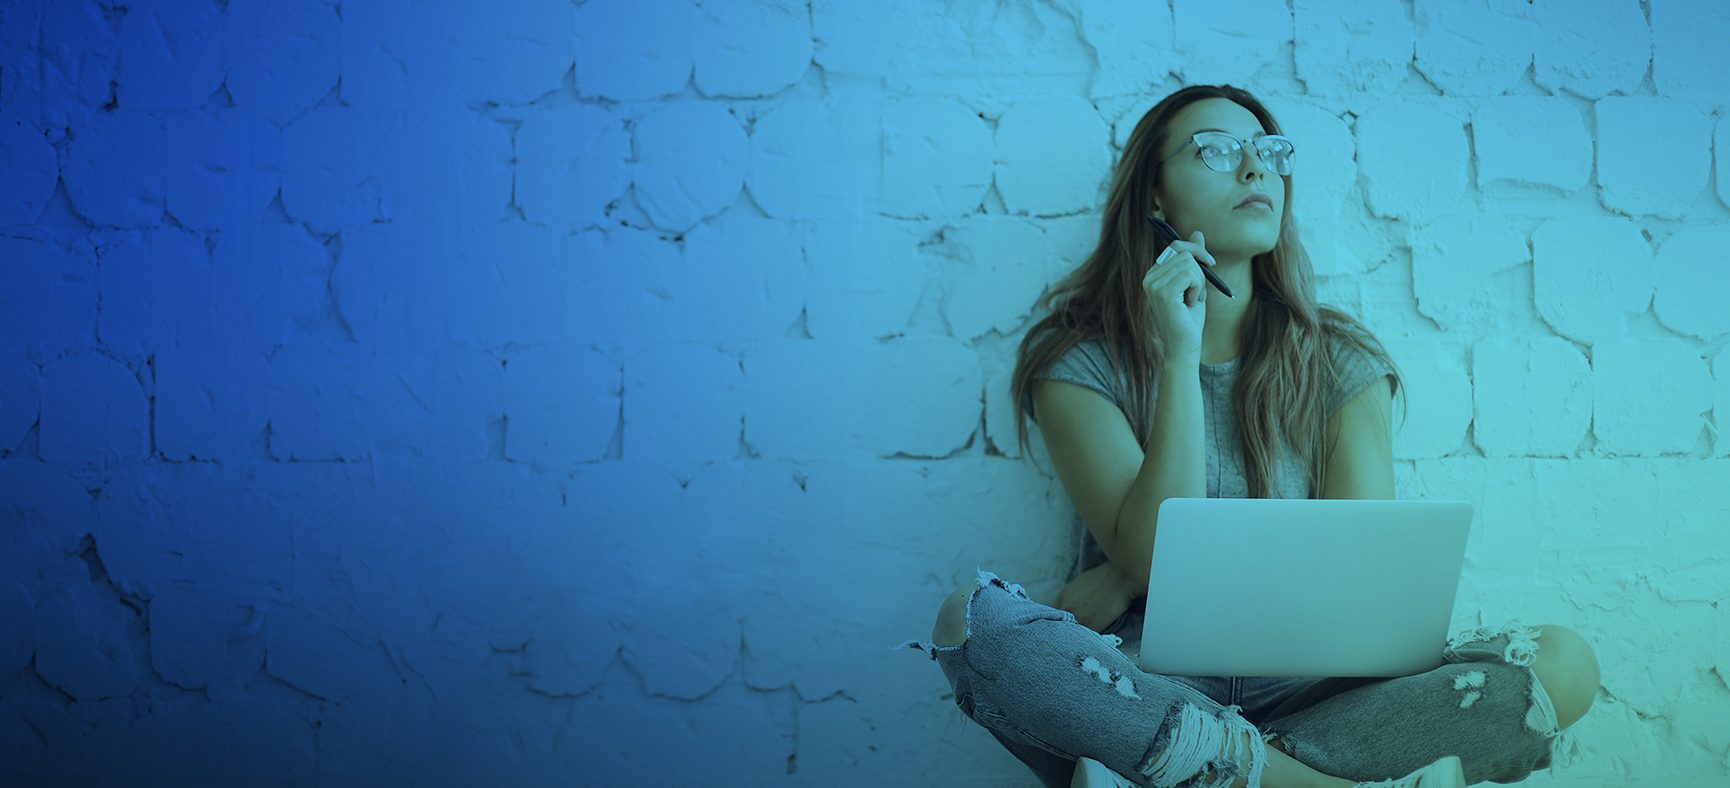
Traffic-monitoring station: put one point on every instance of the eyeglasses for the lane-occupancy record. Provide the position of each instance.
(1223, 153)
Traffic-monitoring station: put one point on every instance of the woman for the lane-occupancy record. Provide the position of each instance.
(1135, 378)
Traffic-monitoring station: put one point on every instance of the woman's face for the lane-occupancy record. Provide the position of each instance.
(1193, 197)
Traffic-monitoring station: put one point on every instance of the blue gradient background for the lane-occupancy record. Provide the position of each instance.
(439, 393)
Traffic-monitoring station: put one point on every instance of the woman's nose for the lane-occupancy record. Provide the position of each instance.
(1253, 167)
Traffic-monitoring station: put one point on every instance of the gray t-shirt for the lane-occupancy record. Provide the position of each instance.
(1087, 364)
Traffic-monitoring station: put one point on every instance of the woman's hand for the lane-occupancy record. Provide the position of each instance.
(1177, 297)
(1098, 596)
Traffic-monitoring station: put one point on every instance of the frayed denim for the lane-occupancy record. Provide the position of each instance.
(1052, 691)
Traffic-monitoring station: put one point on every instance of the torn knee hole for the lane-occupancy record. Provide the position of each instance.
(1470, 685)
(1194, 745)
(1122, 683)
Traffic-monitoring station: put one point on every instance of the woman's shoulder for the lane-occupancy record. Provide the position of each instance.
(1086, 363)
(1358, 359)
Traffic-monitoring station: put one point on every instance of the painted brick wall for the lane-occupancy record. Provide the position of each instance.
(590, 393)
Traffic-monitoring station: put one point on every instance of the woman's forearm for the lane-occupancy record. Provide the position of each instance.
(1174, 465)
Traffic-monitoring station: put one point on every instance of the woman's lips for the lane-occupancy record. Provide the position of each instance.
(1257, 198)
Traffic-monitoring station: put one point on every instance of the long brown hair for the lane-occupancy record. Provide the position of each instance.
(1284, 366)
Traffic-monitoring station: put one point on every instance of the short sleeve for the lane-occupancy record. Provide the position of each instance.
(1085, 364)
(1354, 371)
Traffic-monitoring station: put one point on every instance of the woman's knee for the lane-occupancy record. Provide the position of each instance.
(1568, 669)
(951, 629)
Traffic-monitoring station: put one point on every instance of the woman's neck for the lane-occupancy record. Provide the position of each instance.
(1219, 335)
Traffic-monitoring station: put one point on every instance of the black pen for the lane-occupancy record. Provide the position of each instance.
(1168, 235)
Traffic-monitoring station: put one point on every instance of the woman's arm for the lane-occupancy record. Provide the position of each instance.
(1116, 486)
(1361, 433)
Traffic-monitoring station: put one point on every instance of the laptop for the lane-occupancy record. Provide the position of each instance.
(1284, 587)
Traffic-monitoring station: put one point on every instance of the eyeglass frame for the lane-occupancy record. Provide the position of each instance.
(1241, 144)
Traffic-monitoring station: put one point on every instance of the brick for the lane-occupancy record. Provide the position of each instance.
(627, 288)
(157, 288)
(866, 277)
(55, 510)
(1721, 403)
(1401, 185)
(50, 297)
(1533, 397)
(936, 158)
(1454, 263)
(1687, 48)
(506, 283)
(1590, 275)
(478, 163)
(282, 55)
(1362, 48)
(93, 412)
(1326, 169)
(1438, 399)
(614, 725)
(811, 399)
(196, 636)
(810, 160)
(1643, 173)
(350, 403)
(28, 171)
(20, 52)
(463, 156)
(1593, 53)
(527, 51)
(685, 665)
(572, 162)
(751, 48)
(997, 360)
(1133, 45)
(1220, 45)
(994, 268)
(637, 511)
(20, 395)
(1474, 48)
(1531, 140)
(317, 406)
(330, 173)
(398, 54)
(918, 49)
(1052, 155)
(170, 55)
(211, 403)
(223, 168)
(80, 49)
(746, 278)
(561, 404)
(18, 611)
(634, 50)
(1651, 396)
(1721, 141)
(1326, 173)
(683, 402)
(377, 41)
(381, 289)
(307, 650)
(1692, 274)
(690, 163)
(114, 170)
(269, 281)
(1125, 123)
(81, 644)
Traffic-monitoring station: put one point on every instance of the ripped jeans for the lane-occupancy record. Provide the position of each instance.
(1051, 691)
